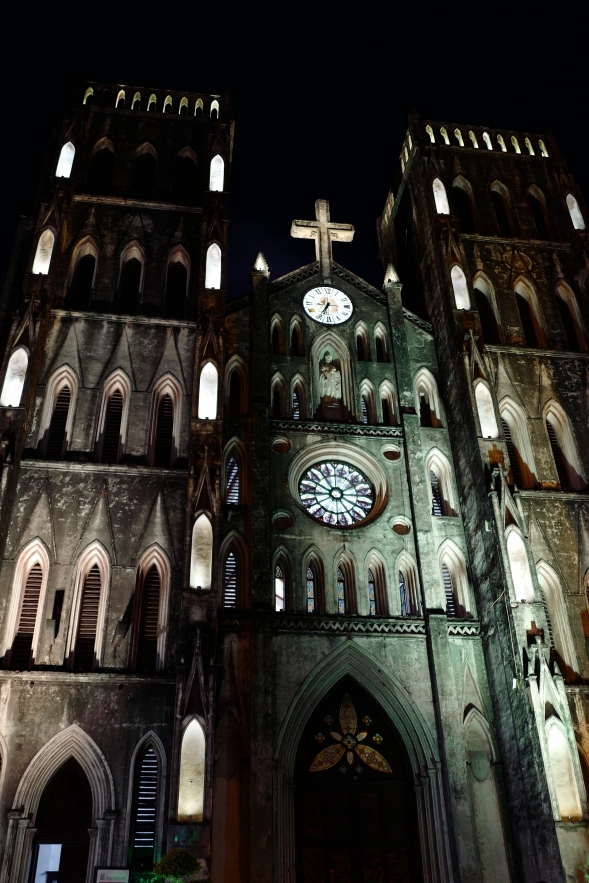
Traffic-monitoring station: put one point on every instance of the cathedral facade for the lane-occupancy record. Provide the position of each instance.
(295, 583)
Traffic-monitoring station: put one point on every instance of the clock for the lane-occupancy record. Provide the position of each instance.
(327, 305)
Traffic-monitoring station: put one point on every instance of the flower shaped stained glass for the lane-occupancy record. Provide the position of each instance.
(349, 742)
(336, 493)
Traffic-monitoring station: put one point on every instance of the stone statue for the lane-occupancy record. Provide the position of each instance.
(330, 379)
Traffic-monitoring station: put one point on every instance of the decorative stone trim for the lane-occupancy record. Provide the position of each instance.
(297, 276)
(421, 323)
(347, 624)
(337, 428)
(359, 283)
(467, 629)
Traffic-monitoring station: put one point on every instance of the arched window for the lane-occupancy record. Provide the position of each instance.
(22, 646)
(111, 443)
(198, 107)
(570, 318)
(213, 267)
(537, 204)
(487, 140)
(278, 398)
(176, 285)
(408, 585)
(164, 434)
(83, 282)
(526, 307)
(502, 206)
(183, 109)
(380, 339)
(371, 594)
(299, 400)
(143, 173)
(311, 589)
(519, 566)
(564, 449)
(144, 810)
(130, 281)
(367, 403)
(458, 136)
(563, 772)
(214, 110)
(236, 388)
(439, 472)
(147, 620)
(277, 335)
(462, 197)
(501, 143)
(217, 173)
(279, 588)
(362, 344)
(230, 580)
(208, 392)
(232, 482)
(25, 613)
(460, 287)
(341, 591)
(14, 379)
(440, 197)
(405, 608)
(473, 139)
(558, 621)
(202, 553)
(101, 171)
(387, 401)
(168, 104)
(152, 103)
(57, 438)
(85, 657)
(377, 586)
(120, 102)
(489, 326)
(43, 254)
(185, 186)
(519, 448)
(66, 161)
(88, 94)
(486, 410)
(136, 101)
(296, 340)
(428, 399)
(191, 784)
(575, 212)
(454, 580)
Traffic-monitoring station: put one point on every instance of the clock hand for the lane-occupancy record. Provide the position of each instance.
(327, 305)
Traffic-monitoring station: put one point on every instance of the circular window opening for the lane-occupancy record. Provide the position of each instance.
(336, 493)
(401, 526)
(281, 445)
(392, 454)
(282, 520)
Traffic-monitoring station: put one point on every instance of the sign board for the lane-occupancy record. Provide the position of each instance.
(112, 875)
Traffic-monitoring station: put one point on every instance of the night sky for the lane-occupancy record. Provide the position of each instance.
(321, 96)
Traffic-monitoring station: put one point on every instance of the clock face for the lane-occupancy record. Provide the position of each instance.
(327, 305)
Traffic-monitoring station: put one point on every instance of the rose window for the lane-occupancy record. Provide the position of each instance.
(336, 493)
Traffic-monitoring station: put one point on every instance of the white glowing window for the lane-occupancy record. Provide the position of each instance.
(65, 162)
(279, 589)
(460, 286)
(574, 211)
(43, 253)
(120, 98)
(217, 173)
(444, 135)
(15, 379)
(336, 493)
(88, 94)
(520, 568)
(563, 775)
(515, 143)
(473, 138)
(202, 554)
(214, 109)
(152, 102)
(213, 267)
(542, 147)
(458, 136)
(487, 140)
(529, 146)
(207, 392)
(440, 197)
(430, 132)
(501, 143)
(486, 411)
(191, 788)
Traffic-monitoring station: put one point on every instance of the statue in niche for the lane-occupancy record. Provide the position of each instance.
(330, 380)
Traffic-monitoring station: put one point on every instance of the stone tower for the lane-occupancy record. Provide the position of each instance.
(488, 231)
(110, 455)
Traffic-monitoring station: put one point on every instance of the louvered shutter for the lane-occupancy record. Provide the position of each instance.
(449, 590)
(513, 455)
(164, 433)
(23, 641)
(559, 461)
(232, 490)
(57, 428)
(145, 811)
(437, 508)
(230, 581)
(148, 621)
(112, 428)
(88, 622)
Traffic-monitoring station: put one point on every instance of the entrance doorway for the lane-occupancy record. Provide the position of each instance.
(60, 851)
(355, 805)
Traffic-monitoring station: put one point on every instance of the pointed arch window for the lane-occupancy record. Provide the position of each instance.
(208, 392)
(311, 590)
(428, 399)
(143, 174)
(404, 595)
(296, 406)
(277, 336)
(463, 203)
(147, 619)
(519, 565)
(570, 318)
(486, 410)
(278, 398)
(57, 439)
(564, 450)
(230, 578)
(529, 325)
(217, 173)
(83, 282)
(66, 161)
(144, 810)
(449, 590)
(185, 186)
(367, 403)
(214, 110)
(514, 457)
(381, 343)
(43, 253)
(192, 774)
(14, 379)
(371, 594)
(440, 197)
(235, 393)
(22, 645)
(101, 171)
(232, 487)
(489, 324)
(519, 448)
(362, 345)
(575, 212)
(501, 205)
(440, 484)
(387, 400)
(341, 591)
(85, 646)
(460, 288)
(213, 267)
(164, 434)
(537, 204)
(130, 286)
(296, 339)
(201, 559)
(176, 287)
(279, 589)
(111, 444)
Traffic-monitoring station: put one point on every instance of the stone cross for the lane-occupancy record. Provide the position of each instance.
(324, 232)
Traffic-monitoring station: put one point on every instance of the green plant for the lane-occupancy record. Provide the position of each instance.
(177, 864)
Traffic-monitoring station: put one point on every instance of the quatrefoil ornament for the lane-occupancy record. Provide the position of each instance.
(349, 742)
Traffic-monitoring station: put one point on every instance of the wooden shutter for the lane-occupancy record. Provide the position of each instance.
(164, 433)
(145, 810)
(57, 428)
(88, 621)
(23, 641)
(112, 428)
(148, 621)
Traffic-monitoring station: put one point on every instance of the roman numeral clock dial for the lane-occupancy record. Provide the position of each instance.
(327, 305)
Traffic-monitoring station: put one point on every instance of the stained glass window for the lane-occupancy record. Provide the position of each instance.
(310, 590)
(232, 491)
(279, 588)
(341, 591)
(296, 406)
(371, 594)
(336, 493)
(405, 608)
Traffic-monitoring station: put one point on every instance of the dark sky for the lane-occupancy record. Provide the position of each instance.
(321, 96)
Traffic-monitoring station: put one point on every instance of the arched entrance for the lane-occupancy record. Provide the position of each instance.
(62, 841)
(356, 814)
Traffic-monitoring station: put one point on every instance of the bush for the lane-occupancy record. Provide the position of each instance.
(177, 864)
